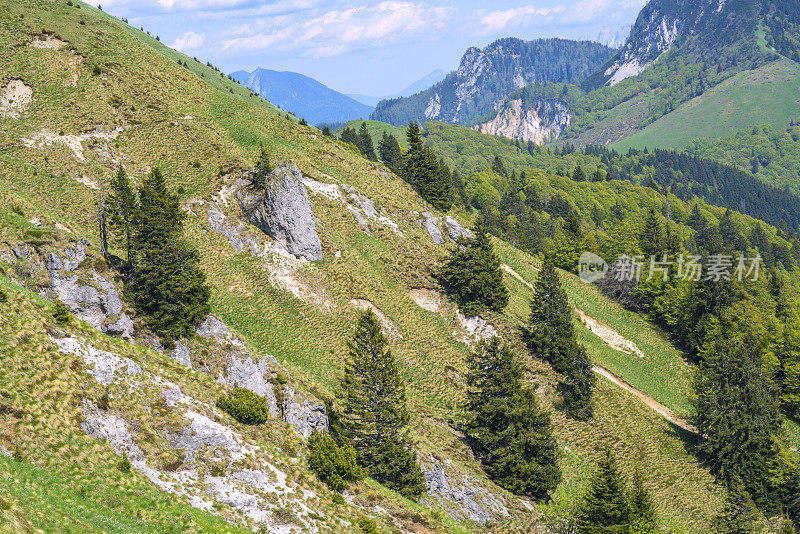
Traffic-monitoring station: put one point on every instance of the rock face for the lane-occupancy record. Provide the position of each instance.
(97, 303)
(432, 226)
(284, 213)
(462, 495)
(543, 122)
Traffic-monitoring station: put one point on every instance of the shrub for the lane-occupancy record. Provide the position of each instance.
(61, 313)
(334, 465)
(4, 504)
(3, 295)
(244, 406)
(16, 208)
(337, 498)
(217, 471)
(283, 516)
(367, 525)
(124, 465)
(103, 402)
(17, 455)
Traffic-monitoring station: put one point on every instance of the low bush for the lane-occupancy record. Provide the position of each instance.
(367, 525)
(244, 406)
(61, 313)
(124, 465)
(3, 295)
(334, 465)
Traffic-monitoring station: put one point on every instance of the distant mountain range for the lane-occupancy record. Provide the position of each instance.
(611, 38)
(305, 97)
(420, 85)
(485, 77)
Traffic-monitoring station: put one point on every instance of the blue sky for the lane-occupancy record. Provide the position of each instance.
(374, 47)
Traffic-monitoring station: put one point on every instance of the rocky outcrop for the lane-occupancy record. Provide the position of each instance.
(97, 302)
(284, 212)
(541, 123)
(432, 226)
(304, 416)
(461, 495)
(455, 231)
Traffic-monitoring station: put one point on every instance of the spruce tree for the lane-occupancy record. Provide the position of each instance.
(168, 287)
(739, 514)
(365, 144)
(651, 238)
(374, 416)
(122, 208)
(579, 175)
(326, 131)
(498, 167)
(350, 136)
(391, 153)
(507, 426)
(605, 508)
(260, 174)
(421, 169)
(578, 388)
(737, 413)
(552, 333)
(643, 518)
(472, 276)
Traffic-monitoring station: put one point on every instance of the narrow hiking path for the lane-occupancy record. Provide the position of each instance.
(616, 341)
(665, 412)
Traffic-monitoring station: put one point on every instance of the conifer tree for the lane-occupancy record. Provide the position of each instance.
(167, 287)
(643, 518)
(421, 170)
(260, 175)
(498, 167)
(326, 131)
(365, 144)
(391, 153)
(552, 333)
(579, 387)
(739, 514)
(651, 238)
(605, 508)
(350, 136)
(507, 426)
(122, 208)
(374, 416)
(579, 175)
(737, 413)
(472, 276)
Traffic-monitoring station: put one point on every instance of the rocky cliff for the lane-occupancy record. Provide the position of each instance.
(541, 123)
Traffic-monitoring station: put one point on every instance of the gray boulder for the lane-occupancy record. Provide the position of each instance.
(181, 353)
(305, 417)
(432, 226)
(245, 373)
(122, 327)
(284, 212)
(456, 231)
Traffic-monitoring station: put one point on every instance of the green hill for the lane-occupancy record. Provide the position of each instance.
(102, 95)
(768, 95)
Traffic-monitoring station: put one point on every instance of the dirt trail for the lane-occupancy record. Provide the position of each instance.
(618, 342)
(665, 412)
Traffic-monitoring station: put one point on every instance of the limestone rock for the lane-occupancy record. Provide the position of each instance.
(432, 226)
(181, 354)
(284, 213)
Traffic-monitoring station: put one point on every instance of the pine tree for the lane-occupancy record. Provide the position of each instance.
(260, 174)
(507, 426)
(374, 416)
(643, 518)
(579, 175)
(365, 144)
(579, 387)
(472, 276)
(739, 514)
(605, 508)
(391, 153)
(122, 209)
(552, 333)
(326, 131)
(737, 413)
(168, 287)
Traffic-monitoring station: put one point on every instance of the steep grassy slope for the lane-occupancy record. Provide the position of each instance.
(768, 95)
(200, 133)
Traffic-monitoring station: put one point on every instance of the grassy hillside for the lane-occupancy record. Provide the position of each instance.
(201, 130)
(768, 95)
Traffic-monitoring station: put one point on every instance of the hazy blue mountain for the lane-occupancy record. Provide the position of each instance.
(426, 82)
(305, 97)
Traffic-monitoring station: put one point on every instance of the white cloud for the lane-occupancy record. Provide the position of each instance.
(338, 31)
(520, 16)
(189, 41)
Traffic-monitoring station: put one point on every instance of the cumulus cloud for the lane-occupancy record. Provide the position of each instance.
(494, 21)
(564, 15)
(338, 31)
(189, 41)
